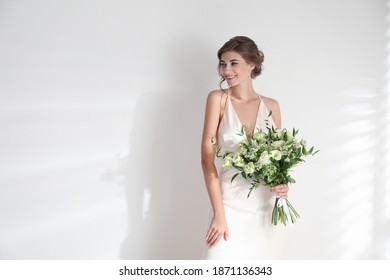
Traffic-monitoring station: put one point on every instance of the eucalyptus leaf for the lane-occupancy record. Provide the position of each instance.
(234, 177)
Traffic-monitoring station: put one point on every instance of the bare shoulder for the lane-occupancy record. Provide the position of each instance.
(270, 103)
(273, 106)
(216, 99)
(212, 114)
(215, 95)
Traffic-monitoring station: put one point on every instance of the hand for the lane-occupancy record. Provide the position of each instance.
(218, 228)
(280, 190)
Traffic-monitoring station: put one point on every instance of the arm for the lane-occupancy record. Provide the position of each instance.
(218, 227)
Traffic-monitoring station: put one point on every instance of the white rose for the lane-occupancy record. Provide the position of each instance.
(275, 154)
(277, 144)
(264, 158)
(249, 168)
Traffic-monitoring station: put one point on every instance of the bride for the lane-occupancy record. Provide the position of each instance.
(239, 227)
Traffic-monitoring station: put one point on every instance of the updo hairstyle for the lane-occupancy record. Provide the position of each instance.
(247, 48)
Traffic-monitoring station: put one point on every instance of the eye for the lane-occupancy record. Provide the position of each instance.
(234, 63)
(222, 64)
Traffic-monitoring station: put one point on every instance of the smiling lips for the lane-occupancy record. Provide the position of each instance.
(230, 78)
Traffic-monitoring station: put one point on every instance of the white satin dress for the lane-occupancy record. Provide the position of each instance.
(251, 234)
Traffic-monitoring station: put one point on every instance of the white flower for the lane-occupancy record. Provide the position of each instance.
(243, 149)
(275, 154)
(259, 136)
(251, 155)
(281, 133)
(264, 158)
(249, 168)
(277, 144)
(227, 161)
(238, 160)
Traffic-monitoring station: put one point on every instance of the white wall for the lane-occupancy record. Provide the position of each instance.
(101, 113)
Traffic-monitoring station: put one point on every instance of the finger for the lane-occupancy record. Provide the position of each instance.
(226, 235)
(284, 195)
(214, 238)
(275, 188)
(210, 242)
(283, 189)
(215, 242)
(280, 191)
(210, 233)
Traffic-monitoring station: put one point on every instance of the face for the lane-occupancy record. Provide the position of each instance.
(234, 68)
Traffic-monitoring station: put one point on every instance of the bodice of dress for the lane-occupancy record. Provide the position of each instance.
(230, 125)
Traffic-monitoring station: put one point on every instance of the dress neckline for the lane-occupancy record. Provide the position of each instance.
(257, 114)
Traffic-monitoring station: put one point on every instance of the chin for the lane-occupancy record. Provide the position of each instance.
(232, 84)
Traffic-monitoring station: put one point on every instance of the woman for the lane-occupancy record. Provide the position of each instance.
(240, 227)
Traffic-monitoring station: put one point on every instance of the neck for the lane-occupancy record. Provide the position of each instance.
(243, 91)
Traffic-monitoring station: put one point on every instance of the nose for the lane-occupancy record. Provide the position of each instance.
(226, 70)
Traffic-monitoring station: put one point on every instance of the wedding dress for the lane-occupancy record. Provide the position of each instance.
(251, 234)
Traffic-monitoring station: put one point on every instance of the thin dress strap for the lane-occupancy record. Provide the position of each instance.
(222, 108)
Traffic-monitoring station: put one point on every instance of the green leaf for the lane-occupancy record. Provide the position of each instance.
(270, 113)
(243, 174)
(291, 180)
(234, 177)
(275, 213)
(241, 132)
(304, 150)
(292, 208)
(217, 152)
(250, 191)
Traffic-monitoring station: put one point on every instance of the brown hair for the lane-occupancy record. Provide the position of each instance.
(247, 48)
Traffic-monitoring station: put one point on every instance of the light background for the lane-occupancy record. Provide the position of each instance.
(101, 114)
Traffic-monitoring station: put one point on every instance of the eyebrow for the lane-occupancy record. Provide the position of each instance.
(230, 60)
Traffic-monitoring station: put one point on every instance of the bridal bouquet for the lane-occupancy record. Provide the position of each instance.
(266, 157)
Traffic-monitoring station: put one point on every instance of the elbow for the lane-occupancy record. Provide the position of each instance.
(206, 163)
(203, 162)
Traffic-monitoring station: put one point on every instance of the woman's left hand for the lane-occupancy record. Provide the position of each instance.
(280, 190)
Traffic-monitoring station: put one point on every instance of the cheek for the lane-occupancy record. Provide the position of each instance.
(243, 70)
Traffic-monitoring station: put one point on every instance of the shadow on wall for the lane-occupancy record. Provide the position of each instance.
(166, 198)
